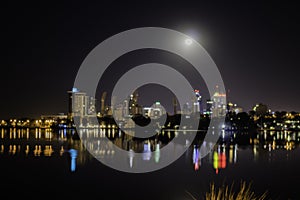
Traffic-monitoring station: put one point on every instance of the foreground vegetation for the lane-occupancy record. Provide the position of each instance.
(227, 193)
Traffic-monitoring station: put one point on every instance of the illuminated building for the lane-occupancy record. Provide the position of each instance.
(81, 106)
(155, 111)
(233, 107)
(197, 103)
(48, 120)
(196, 107)
(76, 102)
(133, 106)
(209, 105)
(103, 97)
(125, 108)
(132, 103)
(186, 109)
(118, 112)
(219, 105)
(175, 103)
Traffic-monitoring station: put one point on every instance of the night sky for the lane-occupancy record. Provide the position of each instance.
(255, 46)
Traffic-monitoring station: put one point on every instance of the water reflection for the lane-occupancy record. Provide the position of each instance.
(264, 145)
(218, 158)
(73, 154)
(39, 142)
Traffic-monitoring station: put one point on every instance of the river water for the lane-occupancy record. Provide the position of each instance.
(42, 163)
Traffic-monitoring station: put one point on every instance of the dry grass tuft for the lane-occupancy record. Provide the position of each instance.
(227, 193)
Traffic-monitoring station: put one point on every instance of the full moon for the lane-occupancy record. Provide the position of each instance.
(188, 41)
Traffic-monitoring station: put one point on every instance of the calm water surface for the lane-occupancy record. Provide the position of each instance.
(40, 163)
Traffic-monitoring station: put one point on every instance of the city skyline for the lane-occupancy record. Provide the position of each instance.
(97, 105)
(254, 46)
(188, 99)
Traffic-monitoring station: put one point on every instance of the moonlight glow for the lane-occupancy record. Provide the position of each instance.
(188, 41)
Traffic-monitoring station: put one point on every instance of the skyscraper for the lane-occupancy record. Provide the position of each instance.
(209, 105)
(198, 102)
(76, 102)
(81, 106)
(134, 108)
(103, 97)
(219, 105)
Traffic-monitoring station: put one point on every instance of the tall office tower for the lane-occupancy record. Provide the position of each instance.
(186, 109)
(91, 105)
(134, 108)
(103, 97)
(81, 105)
(77, 102)
(209, 105)
(125, 108)
(219, 103)
(197, 103)
(113, 102)
(118, 112)
(196, 107)
(158, 110)
(175, 103)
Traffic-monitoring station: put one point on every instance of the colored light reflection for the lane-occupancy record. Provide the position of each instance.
(73, 154)
(219, 161)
